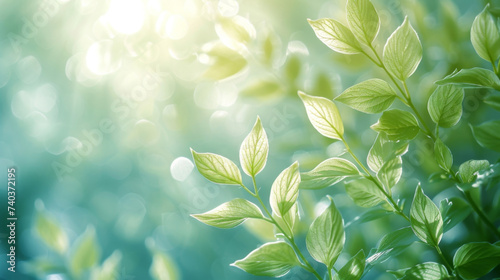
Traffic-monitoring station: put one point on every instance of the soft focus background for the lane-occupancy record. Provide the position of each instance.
(100, 102)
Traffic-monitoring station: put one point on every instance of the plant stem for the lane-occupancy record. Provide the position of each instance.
(376, 181)
(481, 213)
(426, 129)
(330, 276)
(446, 263)
(307, 266)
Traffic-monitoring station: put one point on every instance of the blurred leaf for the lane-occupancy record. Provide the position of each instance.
(445, 105)
(488, 135)
(86, 252)
(254, 150)
(443, 155)
(427, 271)
(474, 77)
(390, 173)
(368, 216)
(51, 233)
(485, 37)
(264, 89)
(403, 51)
(109, 268)
(268, 49)
(292, 68)
(468, 169)
(163, 268)
(324, 116)
(426, 220)
(216, 168)
(325, 239)
(225, 63)
(364, 193)
(476, 259)
(384, 150)
(397, 124)
(271, 259)
(493, 100)
(391, 245)
(230, 214)
(323, 86)
(231, 29)
(353, 269)
(335, 35)
(363, 20)
(328, 173)
(372, 96)
(454, 210)
(285, 190)
(261, 229)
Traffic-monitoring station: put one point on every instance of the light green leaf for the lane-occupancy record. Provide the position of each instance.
(364, 193)
(353, 269)
(51, 233)
(485, 37)
(474, 260)
(325, 239)
(254, 150)
(109, 268)
(230, 29)
(391, 172)
(445, 105)
(335, 35)
(323, 115)
(230, 214)
(397, 124)
(266, 89)
(363, 20)
(488, 135)
(391, 245)
(285, 190)
(403, 51)
(328, 173)
(372, 96)
(426, 220)
(469, 169)
(86, 252)
(216, 168)
(493, 100)
(443, 155)
(271, 259)
(427, 271)
(454, 210)
(224, 62)
(384, 150)
(474, 77)
(287, 222)
(163, 267)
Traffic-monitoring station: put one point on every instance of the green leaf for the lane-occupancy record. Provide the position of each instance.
(443, 155)
(363, 20)
(254, 150)
(287, 222)
(391, 245)
(323, 115)
(469, 169)
(216, 168)
(445, 105)
(485, 37)
(230, 214)
(328, 173)
(325, 239)
(364, 193)
(51, 233)
(454, 210)
(263, 90)
(474, 77)
(476, 259)
(163, 267)
(426, 220)
(384, 150)
(224, 62)
(397, 124)
(372, 96)
(85, 253)
(109, 269)
(335, 35)
(488, 135)
(368, 216)
(403, 51)
(271, 259)
(285, 190)
(493, 100)
(353, 269)
(427, 271)
(391, 172)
